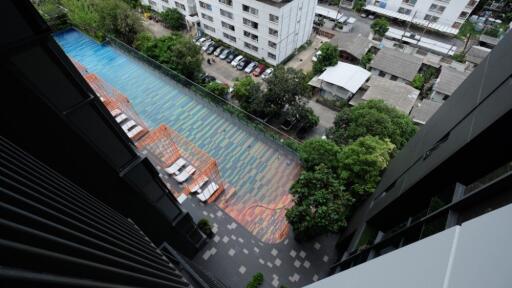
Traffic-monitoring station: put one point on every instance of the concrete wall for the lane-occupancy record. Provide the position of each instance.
(162, 5)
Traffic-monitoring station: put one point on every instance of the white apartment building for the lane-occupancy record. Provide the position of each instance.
(186, 7)
(267, 29)
(442, 15)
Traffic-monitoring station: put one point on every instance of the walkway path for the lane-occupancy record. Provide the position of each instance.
(235, 255)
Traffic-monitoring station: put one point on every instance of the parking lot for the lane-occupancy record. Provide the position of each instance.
(222, 70)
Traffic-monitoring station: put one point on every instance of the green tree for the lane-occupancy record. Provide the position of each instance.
(307, 118)
(218, 89)
(314, 152)
(358, 5)
(286, 87)
(100, 18)
(375, 118)
(328, 57)
(320, 203)
(418, 82)
(256, 281)
(173, 19)
(366, 59)
(175, 51)
(361, 164)
(466, 32)
(250, 96)
(380, 26)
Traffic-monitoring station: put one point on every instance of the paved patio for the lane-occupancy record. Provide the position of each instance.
(235, 255)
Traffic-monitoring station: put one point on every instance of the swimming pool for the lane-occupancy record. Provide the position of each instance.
(260, 170)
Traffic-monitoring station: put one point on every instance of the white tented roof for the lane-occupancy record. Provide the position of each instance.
(328, 13)
(418, 21)
(348, 76)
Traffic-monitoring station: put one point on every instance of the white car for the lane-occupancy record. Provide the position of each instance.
(317, 54)
(207, 44)
(251, 67)
(267, 73)
(201, 41)
(237, 60)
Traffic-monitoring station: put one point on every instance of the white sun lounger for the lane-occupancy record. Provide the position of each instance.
(175, 166)
(185, 174)
(199, 184)
(134, 131)
(115, 112)
(121, 117)
(128, 125)
(208, 192)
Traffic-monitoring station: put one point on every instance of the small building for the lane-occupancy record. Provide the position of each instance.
(476, 54)
(341, 81)
(488, 41)
(352, 47)
(395, 65)
(396, 94)
(423, 110)
(448, 81)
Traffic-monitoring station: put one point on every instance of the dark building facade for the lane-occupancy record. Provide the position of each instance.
(50, 112)
(457, 167)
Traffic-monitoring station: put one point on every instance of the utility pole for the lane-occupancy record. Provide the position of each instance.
(408, 26)
(337, 14)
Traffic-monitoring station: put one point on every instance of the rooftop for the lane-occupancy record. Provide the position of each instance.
(275, 3)
(476, 54)
(489, 39)
(396, 63)
(399, 95)
(449, 80)
(424, 110)
(348, 76)
(357, 45)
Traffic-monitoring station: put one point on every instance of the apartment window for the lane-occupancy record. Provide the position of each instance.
(253, 37)
(472, 3)
(228, 26)
(205, 5)
(431, 18)
(250, 46)
(405, 11)
(152, 3)
(249, 9)
(409, 2)
(437, 8)
(272, 44)
(165, 1)
(456, 25)
(226, 14)
(207, 17)
(273, 32)
(208, 27)
(250, 23)
(226, 2)
(271, 56)
(229, 37)
(273, 18)
(179, 5)
(463, 15)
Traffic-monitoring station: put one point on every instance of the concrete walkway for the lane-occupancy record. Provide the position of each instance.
(235, 255)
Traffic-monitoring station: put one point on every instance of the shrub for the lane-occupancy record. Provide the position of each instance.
(418, 81)
(256, 281)
(205, 227)
(173, 19)
(459, 57)
(380, 26)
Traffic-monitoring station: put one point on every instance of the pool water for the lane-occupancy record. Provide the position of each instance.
(260, 170)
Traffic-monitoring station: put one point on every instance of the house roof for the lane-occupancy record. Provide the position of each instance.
(356, 45)
(396, 63)
(489, 39)
(348, 76)
(396, 94)
(449, 79)
(476, 54)
(422, 111)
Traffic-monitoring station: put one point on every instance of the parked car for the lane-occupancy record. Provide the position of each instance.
(267, 73)
(251, 67)
(212, 49)
(237, 60)
(371, 16)
(207, 44)
(231, 57)
(259, 70)
(205, 79)
(219, 51)
(315, 57)
(225, 54)
(242, 64)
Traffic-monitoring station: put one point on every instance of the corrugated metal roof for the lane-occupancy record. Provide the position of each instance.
(396, 63)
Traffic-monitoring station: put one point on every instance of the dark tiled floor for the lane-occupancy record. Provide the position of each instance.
(234, 255)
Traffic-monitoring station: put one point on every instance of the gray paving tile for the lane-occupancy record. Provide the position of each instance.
(302, 253)
(261, 261)
(231, 252)
(256, 250)
(315, 278)
(278, 262)
(225, 239)
(297, 263)
(269, 264)
(317, 246)
(307, 264)
(245, 251)
(274, 252)
(275, 282)
(242, 269)
(293, 253)
(326, 258)
(216, 238)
